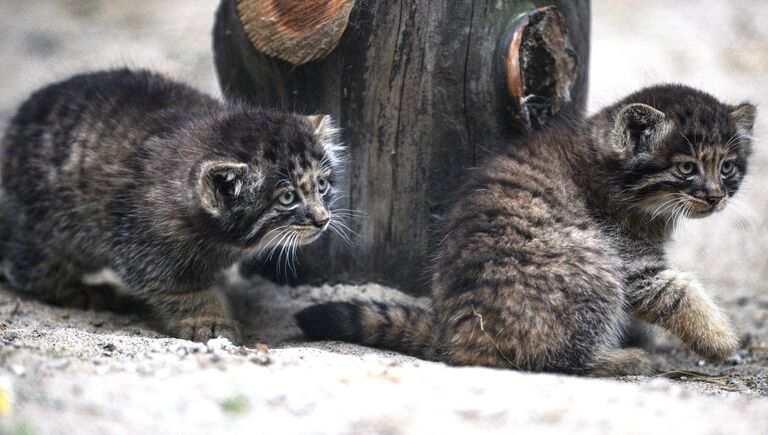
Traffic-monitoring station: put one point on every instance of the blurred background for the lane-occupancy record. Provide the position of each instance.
(721, 47)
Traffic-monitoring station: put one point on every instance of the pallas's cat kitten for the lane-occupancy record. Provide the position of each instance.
(167, 186)
(556, 241)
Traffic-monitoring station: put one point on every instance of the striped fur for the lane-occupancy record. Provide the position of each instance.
(387, 325)
(554, 244)
(132, 171)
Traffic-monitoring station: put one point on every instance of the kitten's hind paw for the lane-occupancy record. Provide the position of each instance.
(204, 328)
(100, 297)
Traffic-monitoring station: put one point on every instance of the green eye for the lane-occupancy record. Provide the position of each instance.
(686, 168)
(322, 185)
(727, 168)
(287, 198)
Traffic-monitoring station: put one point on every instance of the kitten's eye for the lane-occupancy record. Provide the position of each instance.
(322, 185)
(686, 168)
(727, 168)
(287, 198)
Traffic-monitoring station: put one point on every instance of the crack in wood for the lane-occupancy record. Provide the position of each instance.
(540, 66)
(466, 85)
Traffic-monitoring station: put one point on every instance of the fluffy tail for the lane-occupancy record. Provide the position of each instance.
(394, 326)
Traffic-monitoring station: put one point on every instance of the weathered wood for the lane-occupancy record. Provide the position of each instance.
(421, 91)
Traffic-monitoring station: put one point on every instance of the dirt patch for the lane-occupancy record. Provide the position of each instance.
(68, 370)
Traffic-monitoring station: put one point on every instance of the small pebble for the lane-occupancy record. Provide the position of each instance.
(260, 359)
(17, 369)
(179, 349)
(215, 344)
(155, 348)
(701, 363)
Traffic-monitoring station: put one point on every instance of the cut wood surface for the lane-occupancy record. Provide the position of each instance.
(420, 90)
(297, 31)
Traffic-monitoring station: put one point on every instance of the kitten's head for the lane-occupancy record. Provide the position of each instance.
(269, 178)
(679, 151)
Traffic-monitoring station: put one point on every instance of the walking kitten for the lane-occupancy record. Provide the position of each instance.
(167, 186)
(556, 241)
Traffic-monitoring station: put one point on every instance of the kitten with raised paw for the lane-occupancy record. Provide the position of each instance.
(129, 170)
(556, 242)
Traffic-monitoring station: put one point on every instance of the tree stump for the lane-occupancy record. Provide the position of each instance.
(422, 90)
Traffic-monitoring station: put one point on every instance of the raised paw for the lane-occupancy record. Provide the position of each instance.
(716, 338)
(205, 328)
(703, 326)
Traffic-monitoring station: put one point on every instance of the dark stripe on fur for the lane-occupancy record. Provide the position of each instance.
(399, 327)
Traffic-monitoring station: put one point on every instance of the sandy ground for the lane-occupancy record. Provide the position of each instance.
(71, 371)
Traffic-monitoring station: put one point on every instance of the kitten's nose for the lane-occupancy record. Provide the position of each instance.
(320, 218)
(715, 198)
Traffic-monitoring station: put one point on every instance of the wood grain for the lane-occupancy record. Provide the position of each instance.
(420, 90)
(297, 31)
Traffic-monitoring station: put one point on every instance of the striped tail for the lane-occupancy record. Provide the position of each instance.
(394, 326)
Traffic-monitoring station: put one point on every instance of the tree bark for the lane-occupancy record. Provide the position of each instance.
(423, 90)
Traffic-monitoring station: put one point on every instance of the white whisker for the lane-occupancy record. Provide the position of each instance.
(340, 233)
(342, 224)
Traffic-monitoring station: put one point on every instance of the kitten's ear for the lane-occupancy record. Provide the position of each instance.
(320, 123)
(220, 183)
(637, 128)
(744, 117)
(328, 134)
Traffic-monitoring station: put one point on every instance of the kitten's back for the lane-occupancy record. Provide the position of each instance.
(82, 126)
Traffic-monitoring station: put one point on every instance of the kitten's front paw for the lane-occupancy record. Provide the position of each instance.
(718, 339)
(699, 321)
(205, 328)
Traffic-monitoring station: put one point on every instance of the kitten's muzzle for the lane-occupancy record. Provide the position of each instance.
(321, 222)
(715, 199)
(310, 233)
(702, 207)
(706, 203)
(318, 216)
(711, 195)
